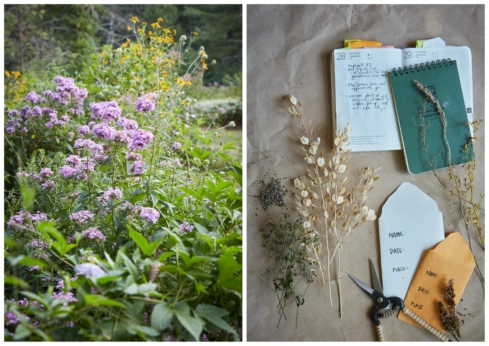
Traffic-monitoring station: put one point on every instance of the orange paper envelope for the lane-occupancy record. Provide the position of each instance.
(450, 259)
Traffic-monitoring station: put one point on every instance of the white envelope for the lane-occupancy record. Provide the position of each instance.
(410, 224)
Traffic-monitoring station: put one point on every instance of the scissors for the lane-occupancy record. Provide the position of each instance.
(386, 307)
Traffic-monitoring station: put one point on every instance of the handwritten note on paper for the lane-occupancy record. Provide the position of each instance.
(410, 224)
(363, 96)
(451, 259)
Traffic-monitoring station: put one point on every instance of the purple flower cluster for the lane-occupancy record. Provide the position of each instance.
(45, 173)
(65, 297)
(176, 145)
(82, 216)
(67, 91)
(103, 131)
(93, 233)
(32, 97)
(11, 318)
(140, 139)
(23, 218)
(77, 167)
(38, 244)
(148, 214)
(105, 111)
(128, 124)
(137, 168)
(133, 157)
(185, 227)
(48, 185)
(145, 103)
(112, 193)
(83, 130)
(174, 162)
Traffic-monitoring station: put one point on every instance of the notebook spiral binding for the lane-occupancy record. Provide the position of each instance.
(421, 67)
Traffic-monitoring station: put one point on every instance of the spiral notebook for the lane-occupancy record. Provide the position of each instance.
(361, 91)
(425, 143)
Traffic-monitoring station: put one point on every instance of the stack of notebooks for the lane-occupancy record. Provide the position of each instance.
(374, 88)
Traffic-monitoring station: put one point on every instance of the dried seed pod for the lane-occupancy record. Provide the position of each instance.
(154, 271)
(304, 140)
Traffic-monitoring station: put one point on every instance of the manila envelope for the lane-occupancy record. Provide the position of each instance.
(450, 259)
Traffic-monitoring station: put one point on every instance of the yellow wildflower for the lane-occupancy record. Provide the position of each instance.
(204, 65)
(195, 33)
(144, 23)
(106, 61)
(185, 103)
(182, 82)
(159, 19)
(129, 28)
(174, 32)
(7, 73)
(135, 19)
(17, 74)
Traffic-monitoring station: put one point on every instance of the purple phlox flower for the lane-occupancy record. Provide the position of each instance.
(65, 118)
(48, 185)
(149, 214)
(70, 324)
(121, 136)
(93, 233)
(140, 139)
(37, 111)
(24, 129)
(82, 216)
(127, 206)
(137, 168)
(32, 97)
(17, 221)
(66, 297)
(174, 162)
(103, 131)
(23, 174)
(83, 130)
(38, 244)
(133, 157)
(128, 124)
(71, 239)
(145, 103)
(49, 125)
(38, 216)
(13, 113)
(112, 193)
(93, 290)
(10, 130)
(100, 157)
(45, 173)
(176, 145)
(185, 227)
(204, 337)
(11, 318)
(67, 171)
(24, 112)
(23, 302)
(32, 268)
(36, 303)
(89, 270)
(61, 285)
(106, 110)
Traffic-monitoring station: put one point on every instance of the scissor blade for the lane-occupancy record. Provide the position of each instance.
(362, 285)
(375, 277)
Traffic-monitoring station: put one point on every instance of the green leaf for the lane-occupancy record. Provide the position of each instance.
(205, 310)
(229, 146)
(192, 324)
(28, 195)
(148, 249)
(12, 280)
(200, 228)
(130, 266)
(21, 332)
(228, 276)
(106, 279)
(165, 255)
(132, 289)
(34, 296)
(161, 317)
(96, 300)
(146, 289)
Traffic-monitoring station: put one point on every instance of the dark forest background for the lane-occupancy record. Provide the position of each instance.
(42, 37)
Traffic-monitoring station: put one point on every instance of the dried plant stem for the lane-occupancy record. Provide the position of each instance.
(465, 197)
(325, 219)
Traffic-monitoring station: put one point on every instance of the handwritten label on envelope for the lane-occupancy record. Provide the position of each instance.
(451, 259)
(410, 224)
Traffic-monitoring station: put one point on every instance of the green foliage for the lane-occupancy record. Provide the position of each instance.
(157, 255)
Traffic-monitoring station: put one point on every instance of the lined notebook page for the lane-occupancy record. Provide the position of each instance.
(462, 55)
(363, 96)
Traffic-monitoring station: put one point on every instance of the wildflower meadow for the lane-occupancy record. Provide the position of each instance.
(123, 206)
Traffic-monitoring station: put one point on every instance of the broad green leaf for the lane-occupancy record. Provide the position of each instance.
(34, 296)
(12, 280)
(205, 310)
(161, 316)
(132, 289)
(21, 332)
(165, 255)
(96, 300)
(146, 289)
(228, 268)
(228, 146)
(130, 266)
(200, 228)
(192, 324)
(105, 279)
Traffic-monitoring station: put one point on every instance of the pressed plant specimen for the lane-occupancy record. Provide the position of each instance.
(326, 199)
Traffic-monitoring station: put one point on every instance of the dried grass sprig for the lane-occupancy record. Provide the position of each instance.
(449, 317)
(460, 186)
(324, 197)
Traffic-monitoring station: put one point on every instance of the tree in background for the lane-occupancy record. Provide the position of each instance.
(39, 36)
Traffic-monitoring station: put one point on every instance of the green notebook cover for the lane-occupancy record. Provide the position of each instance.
(416, 113)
